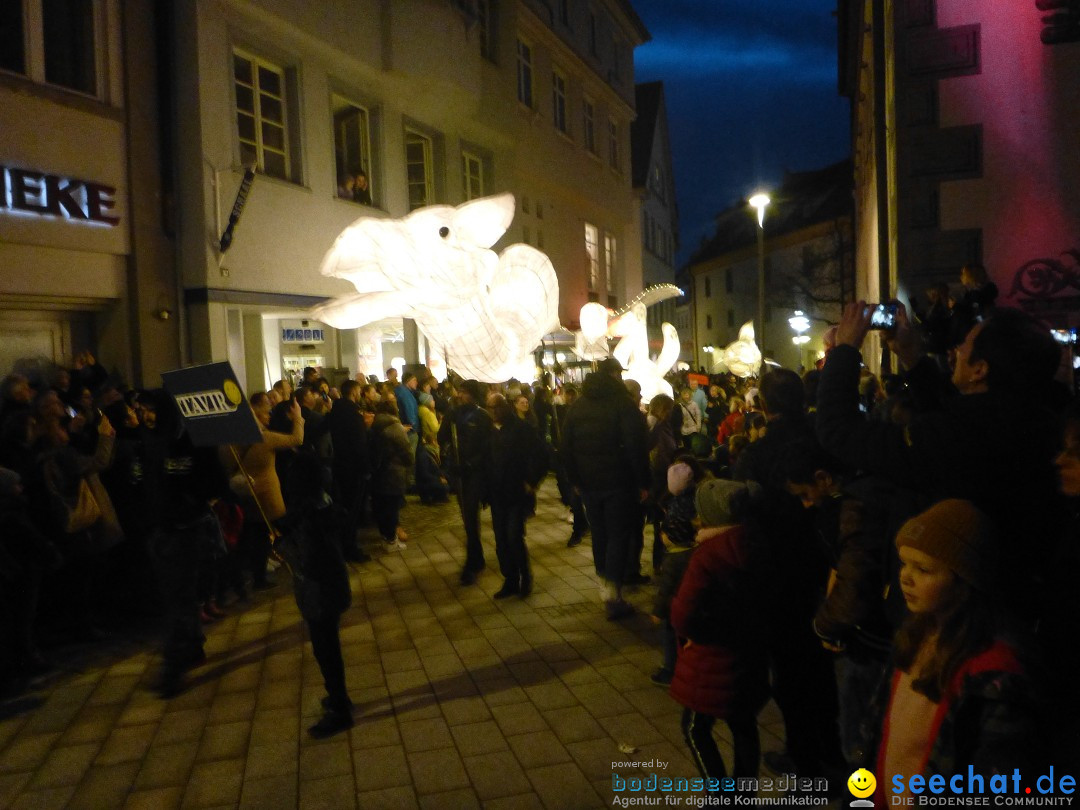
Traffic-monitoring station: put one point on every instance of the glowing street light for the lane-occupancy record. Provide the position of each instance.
(760, 201)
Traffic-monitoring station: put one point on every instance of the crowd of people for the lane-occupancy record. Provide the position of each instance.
(892, 560)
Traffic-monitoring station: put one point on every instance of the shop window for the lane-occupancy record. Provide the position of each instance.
(419, 170)
(262, 115)
(352, 151)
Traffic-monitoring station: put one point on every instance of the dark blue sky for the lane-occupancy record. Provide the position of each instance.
(751, 91)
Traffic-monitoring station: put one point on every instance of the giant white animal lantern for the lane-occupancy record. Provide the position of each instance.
(483, 313)
(632, 351)
(743, 357)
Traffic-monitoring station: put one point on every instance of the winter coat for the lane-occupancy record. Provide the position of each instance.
(722, 663)
(604, 439)
(518, 458)
(309, 544)
(691, 418)
(429, 477)
(662, 450)
(465, 443)
(954, 451)
(408, 407)
(258, 461)
(852, 613)
(348, 432)
(392, 455)
(985, 719)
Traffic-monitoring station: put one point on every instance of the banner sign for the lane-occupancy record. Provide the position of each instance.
(237, 209)
(212, 404)
(700, 379)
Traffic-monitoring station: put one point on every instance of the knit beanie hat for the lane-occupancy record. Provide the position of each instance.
(425, 398)
(959, 535)
(721, 502)
(679, 477)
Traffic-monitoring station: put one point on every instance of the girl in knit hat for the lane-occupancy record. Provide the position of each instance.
(721, 672)
(958, 695)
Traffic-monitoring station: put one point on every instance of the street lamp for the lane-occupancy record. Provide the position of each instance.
(760, 201)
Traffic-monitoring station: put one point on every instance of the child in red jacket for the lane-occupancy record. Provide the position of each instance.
(721, 670)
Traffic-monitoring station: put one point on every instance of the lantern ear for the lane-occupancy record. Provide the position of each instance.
(482, 222)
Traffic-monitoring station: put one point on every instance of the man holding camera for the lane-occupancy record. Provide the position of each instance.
(952, 447)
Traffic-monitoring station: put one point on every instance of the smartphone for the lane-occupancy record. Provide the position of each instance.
(70, 411)
(883, 316)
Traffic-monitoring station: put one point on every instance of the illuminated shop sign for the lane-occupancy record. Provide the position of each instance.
(27, 192)
(301, 335)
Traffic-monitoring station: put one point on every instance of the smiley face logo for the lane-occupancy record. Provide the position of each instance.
(861, 783)
(232, 392)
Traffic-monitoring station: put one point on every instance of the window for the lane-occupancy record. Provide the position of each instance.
(524, 73)
(525, 235)
(52, 42)
(485, 14)
(260, 114)
(708, 287)
(558, 100)
(472, 176)
(525, 207)
(352, 151)
(729, 282)
(592, 250)
(419, 174)
(539, 239)
(539, 210)
(656, 182)
(564, 12)
(592, 34)
(613, 144)
(731, 317)
(610, 259)
(588, 125)
(708, 321)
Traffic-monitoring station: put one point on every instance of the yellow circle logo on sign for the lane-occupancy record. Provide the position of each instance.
(861, 783)
(232, 392)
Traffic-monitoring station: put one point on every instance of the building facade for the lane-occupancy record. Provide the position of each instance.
(435, 102)
(964, 119)
(654, 184)
(809, 269)
(84, 245)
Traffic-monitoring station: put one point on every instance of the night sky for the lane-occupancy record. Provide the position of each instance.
(751, 91)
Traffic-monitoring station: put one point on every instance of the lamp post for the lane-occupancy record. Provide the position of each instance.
(760, 201)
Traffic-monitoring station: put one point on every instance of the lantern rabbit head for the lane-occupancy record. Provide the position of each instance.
(484, 311)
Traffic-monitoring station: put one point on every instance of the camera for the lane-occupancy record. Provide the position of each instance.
(883, 316)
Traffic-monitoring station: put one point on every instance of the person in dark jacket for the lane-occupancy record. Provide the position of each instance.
(803, 683)
(1005, 366)
(465, 436)
(348, 432)
(320, 584)
(392, 460)
(850, 620)
(518, 465)
(604, 450)
(662, 450)
(182, 480)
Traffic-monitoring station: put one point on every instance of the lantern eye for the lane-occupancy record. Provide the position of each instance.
(444, 232)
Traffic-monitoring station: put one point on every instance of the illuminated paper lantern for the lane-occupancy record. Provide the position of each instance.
(742, 357)
(483, 312)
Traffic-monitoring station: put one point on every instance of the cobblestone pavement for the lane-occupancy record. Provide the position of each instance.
(462, 701)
